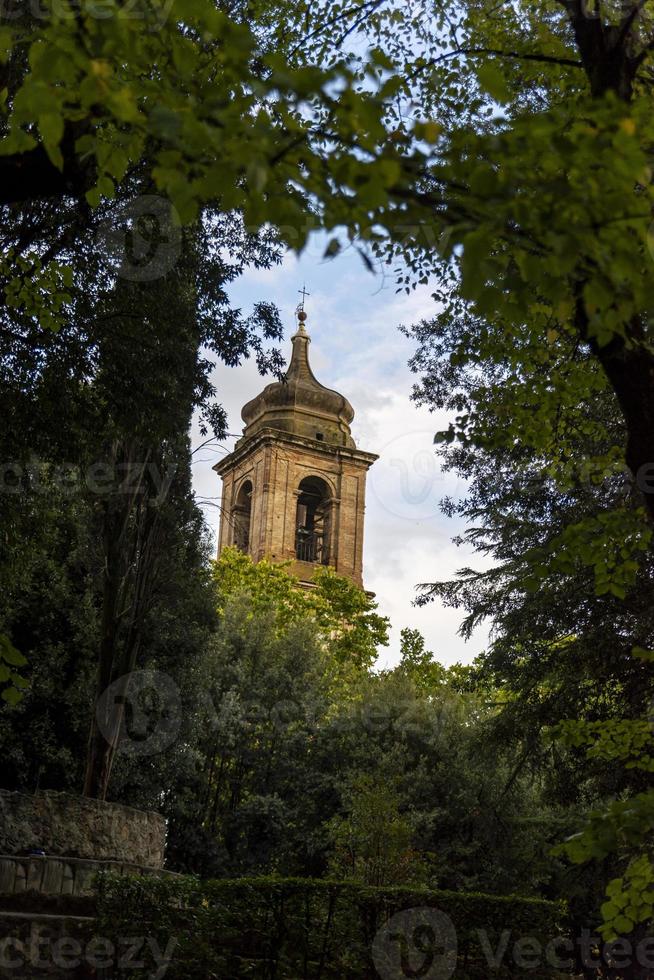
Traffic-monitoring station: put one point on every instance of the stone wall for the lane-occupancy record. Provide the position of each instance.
(62, 824)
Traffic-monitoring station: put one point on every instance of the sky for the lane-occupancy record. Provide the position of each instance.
(356, 348)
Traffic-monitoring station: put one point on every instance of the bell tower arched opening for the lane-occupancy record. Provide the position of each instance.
(242, 516)
(312, 521)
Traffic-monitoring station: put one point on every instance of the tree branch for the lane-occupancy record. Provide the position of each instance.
(629, 20)
(497, 52)
(337, 18)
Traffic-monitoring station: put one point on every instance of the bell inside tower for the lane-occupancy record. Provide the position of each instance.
(312, 521)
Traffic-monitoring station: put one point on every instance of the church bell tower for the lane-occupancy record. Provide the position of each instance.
(294, 485)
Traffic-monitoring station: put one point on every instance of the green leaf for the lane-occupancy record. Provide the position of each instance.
(10, 654)
(333, 248)
(623, 925)
(6, 43)
(642, 654)
(51, 128)
(11, 696)
(492, 81)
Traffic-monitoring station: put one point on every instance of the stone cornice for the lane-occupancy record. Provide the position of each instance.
(277, 437)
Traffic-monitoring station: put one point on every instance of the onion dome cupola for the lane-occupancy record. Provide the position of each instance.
(299, 404)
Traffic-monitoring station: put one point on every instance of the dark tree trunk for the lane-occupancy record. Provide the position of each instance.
(607, 53)
(631, 373)
(610, 59)
(100, 754)
(131, 552)
(628, 364)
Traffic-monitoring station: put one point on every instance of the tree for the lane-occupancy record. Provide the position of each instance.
(250, 797)
(541, 214)
(373, 840)
(53, 612)
(290, 756)
(344, 616)
(472, 828)
(485, 192)
(106, 401)
(419, 663)
(84, 109)
(79, 131)
(11, 660)
(523, 209)
(568, 601)
(266, 690)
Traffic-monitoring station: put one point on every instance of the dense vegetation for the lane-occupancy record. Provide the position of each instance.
(324, 929)
(505, 150)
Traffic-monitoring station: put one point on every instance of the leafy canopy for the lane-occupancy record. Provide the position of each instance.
(344, 615)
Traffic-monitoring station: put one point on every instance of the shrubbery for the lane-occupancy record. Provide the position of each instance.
(300, 928)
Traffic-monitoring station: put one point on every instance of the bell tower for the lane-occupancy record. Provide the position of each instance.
(294, 486)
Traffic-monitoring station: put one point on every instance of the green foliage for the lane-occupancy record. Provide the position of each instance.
(96, 410)
(51, 608)
(421, 666)
(265, 694)
(344, 615)
(13, 683)
(476, 826)
(630, 900)
(537, 280)
(223, 117)
(268, 584)
(348, 616)
(292, 927)
(373, 840)
(40, 292)
(301, 765)
(622, 826)
(569, 589)
(613, 740)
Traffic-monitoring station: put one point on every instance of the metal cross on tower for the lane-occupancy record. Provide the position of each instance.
(303, 292)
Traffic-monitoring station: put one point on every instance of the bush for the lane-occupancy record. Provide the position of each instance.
(298, 928)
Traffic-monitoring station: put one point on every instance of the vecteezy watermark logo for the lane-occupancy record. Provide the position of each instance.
(42, 954)
(418, 942)
(101, 477)
(141, 712)
(153, 13)
(143, 238)
(407, 478)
